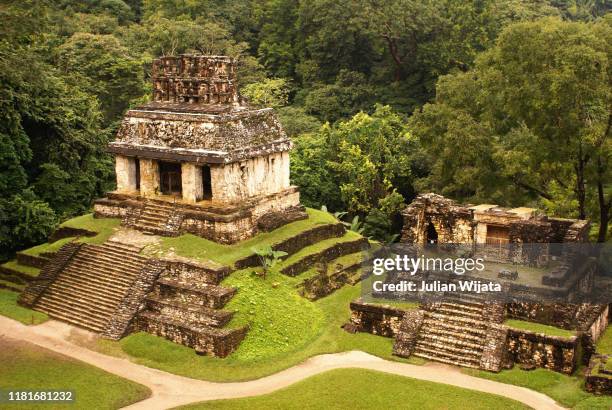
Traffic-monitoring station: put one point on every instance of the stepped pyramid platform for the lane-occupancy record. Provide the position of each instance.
(128, 284)
(464, 331)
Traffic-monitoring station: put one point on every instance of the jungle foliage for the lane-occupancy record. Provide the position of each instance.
(504, 101)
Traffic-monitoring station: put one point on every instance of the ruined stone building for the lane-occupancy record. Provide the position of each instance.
(431, 218)
(541, 283)
(197, 159)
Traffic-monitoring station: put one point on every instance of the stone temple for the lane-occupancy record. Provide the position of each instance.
(534, 258)
(198, 160)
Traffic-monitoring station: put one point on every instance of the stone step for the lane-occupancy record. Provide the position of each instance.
(70, 293)
(474, 351)
(120, 246)
(464, 298)
(68, 305)
(113, 265)
(153, 218)
(212, 296)
(448, 360)
(432, 324)
(442, 332)
(465, 321)
(200, 314)
(113, 268)
(459, 356)
(462, 306)
(76, 318)
(460, 312)
(106, 291)
(118, 254)
(159, 205)
(115, 255)
(100, 274)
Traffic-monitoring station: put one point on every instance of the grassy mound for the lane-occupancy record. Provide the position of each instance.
(26, 366)
(10, 308)
(539, 328)
(104, 226)
(366, 389)
(252, 359)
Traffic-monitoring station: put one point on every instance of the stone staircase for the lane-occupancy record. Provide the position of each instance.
(454, 332)
(158, 218)
(187, 309)
(92, 285)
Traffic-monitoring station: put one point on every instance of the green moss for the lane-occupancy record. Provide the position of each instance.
(539, 328)
(567, 390)
(604, 344)
(366, 389)
(25, 366)
(26, 270)
(192, 246)
(10, 308)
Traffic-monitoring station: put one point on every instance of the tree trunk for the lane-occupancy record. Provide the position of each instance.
(396, 58)
(604, 207)
(580, 185)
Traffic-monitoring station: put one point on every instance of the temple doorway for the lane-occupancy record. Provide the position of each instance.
(206, 183)
(170, 182)
(432, 234)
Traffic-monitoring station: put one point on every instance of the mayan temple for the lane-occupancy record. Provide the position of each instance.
(198, 160)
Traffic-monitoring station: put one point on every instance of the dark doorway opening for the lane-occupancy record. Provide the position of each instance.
(432, 234)
(170, 182)
(137, 167)
(206, 183)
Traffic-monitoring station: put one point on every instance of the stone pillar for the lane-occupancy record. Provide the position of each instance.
(149, 177)
(125, 169)
(192, 182)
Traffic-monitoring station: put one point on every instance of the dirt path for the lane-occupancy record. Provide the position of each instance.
(171, 390)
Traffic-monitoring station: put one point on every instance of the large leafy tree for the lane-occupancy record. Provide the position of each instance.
(532, 118)
(369, 158)
(50, 135)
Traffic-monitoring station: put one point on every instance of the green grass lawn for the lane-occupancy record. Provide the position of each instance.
(104, 226)
(10, 308)
(604, 344)
(192, 246)
(539, 328)
(28, 367)
(566, 390)
(366, 389)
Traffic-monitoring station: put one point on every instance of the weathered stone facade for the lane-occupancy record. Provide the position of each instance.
(199, 148)
(376, 319)
(539, 350)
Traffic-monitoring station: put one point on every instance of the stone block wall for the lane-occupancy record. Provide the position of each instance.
(539, 350)
(495, 349)
(263, 175)
(379, 320)
(408, 334)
